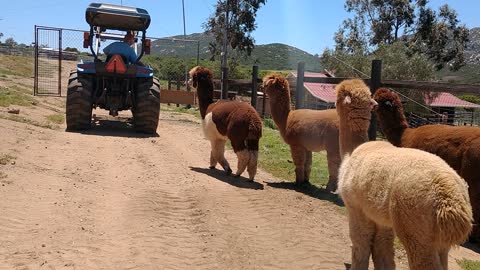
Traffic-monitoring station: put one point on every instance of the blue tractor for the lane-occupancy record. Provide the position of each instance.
(111, 82)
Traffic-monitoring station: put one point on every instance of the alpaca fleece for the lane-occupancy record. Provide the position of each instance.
(306, 131)
(459, 146)
(408, 192)
(222, 120)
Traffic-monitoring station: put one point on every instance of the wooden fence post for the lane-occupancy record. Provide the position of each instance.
(375, 82)
(300, 96)
(254, 87)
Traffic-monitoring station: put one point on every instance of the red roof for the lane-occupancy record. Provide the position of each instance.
(448, 100)
(322, 91)
(326, 93)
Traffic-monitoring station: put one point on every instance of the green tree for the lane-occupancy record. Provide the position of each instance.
(70, 49)
(10, 42)
(240, 25)
(422, 30)
(397, 63)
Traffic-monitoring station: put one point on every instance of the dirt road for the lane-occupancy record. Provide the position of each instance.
(112, 199)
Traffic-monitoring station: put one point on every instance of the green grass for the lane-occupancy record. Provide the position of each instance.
(469, 264)
(56, 118)
(15, 95)
(274, 157)
(6, 159)
(16, 65)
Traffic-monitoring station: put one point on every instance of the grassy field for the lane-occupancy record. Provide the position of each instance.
(16, 65)
(469, 264)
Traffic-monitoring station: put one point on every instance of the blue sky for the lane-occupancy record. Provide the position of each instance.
(305, 24)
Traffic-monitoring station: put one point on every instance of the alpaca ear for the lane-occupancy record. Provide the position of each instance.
(347, 100)
(373, 104)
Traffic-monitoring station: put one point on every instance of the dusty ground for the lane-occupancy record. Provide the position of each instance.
(112, 199)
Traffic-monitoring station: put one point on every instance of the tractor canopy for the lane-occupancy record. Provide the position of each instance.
(117, 17)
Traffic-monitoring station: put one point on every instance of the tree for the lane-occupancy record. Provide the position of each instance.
(241, 22)
(10, 42)
(422, 30)
(1, 35)
(71, 49)
(397, 63)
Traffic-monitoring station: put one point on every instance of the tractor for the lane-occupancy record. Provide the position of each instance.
(111, 82)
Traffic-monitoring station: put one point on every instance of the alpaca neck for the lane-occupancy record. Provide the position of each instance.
(393, 128)
(280, 108)
(205, 97)
(353, 132)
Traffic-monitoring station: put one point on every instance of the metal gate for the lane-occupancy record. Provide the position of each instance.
(48, 61)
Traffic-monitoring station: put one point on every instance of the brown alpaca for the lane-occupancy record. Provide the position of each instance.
(306, 131)
(354, 107)
(234, 120)
(458, 146)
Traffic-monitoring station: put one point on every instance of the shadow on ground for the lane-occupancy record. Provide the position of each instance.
(114, 127)
(310, 190)
(473, 246)
(240, 182)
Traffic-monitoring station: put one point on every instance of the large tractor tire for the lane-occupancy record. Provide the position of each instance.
(146, 109)
(79, 103)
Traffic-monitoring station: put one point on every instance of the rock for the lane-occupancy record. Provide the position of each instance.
(14, 111)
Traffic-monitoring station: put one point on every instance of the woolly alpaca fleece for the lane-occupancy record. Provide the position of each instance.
(354, 107)
(408, 192)
(222, 120)
(306, 131)
(459, 146)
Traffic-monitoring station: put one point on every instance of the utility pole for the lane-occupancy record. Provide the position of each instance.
(185, 45)
(224, 79)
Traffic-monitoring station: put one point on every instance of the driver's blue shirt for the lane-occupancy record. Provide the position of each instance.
(121, 48)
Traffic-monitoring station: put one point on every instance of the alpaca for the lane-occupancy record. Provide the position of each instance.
(458, 146)
(306, 131)
(354, 107)
(222, 120)
(406, 192)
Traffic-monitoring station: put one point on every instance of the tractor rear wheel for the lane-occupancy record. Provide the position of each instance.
(79, 103)
(146, 109)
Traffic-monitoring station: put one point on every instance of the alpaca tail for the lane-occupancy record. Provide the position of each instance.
(454, 215)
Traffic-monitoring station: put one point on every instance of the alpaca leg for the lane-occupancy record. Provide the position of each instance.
(299, 157)
(362, 232)
(334, 160)
(308, 165)
(252, 165)
(382, 252)
(443, 255)
(420, 256)
(239, 147)
(213, 161)
(243, 157)
(218, 149)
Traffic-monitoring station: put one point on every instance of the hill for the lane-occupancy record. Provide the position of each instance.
(274, 56)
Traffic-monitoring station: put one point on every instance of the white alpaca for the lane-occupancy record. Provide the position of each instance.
(408, 192)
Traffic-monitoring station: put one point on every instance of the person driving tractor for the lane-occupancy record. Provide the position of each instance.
(123, 47)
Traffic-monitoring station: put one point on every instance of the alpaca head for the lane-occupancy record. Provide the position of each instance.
(354, 96)
(276, 85)
(199, 75)
(389, 107)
